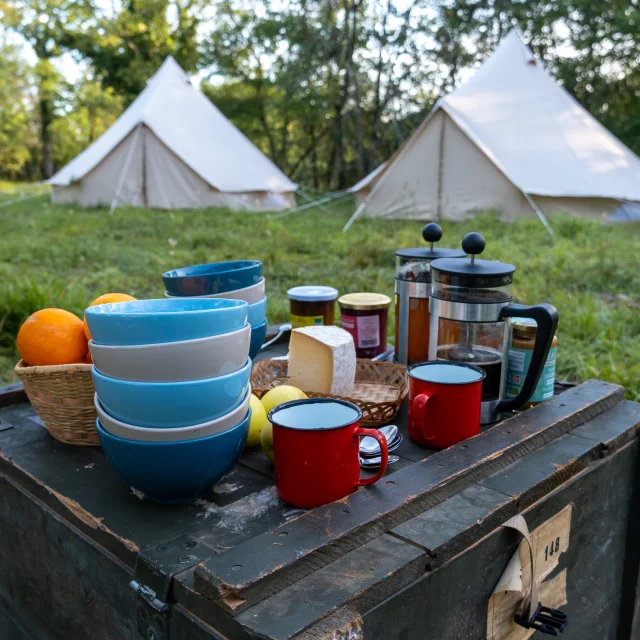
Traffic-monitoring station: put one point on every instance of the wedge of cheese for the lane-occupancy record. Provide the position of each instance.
(322, 359)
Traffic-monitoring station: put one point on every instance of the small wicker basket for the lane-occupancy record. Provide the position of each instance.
(379, 389)
(62, 396)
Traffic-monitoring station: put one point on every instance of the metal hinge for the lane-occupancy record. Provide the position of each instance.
(155, 569)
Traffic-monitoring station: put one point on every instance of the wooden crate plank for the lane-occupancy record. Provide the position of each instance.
(614, 428)
(451, 602)
(458, 521)
(80, 484)
(543, 470)
(12, 394)
(242, 577)
(376, 570)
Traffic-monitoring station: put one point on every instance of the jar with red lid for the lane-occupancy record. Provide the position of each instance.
(365, 317)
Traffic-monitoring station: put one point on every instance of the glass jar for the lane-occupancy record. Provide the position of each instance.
(312, 305)
(365, 317)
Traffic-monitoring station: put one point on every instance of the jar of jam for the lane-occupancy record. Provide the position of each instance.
(312, 305)
(523, 338)
(365, 317)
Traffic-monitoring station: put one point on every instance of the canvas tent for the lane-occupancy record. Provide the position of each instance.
(172, 148)
(509, 140)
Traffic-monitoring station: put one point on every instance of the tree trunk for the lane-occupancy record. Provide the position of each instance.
(46, 118)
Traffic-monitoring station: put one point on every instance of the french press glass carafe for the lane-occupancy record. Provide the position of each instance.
(471, 306)
(412, 285)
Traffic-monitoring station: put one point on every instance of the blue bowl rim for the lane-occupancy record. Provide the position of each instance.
(175, 300)
(100, 428)
(164, 385)
(243, 265)
(259, 325)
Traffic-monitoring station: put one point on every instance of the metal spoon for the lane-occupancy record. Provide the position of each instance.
(374, 463)
(370, 446)
(282, 329)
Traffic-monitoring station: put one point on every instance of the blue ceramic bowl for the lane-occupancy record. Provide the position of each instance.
(258, 312)
(257, 338)
(167, 320)
(218, 277)
(170, 405)
(175, 471)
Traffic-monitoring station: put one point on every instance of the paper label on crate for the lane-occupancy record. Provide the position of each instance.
(365, 330)
(548, 542)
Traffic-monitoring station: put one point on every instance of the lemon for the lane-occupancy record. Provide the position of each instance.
(266, 439)
(258, 418)
(278, 395)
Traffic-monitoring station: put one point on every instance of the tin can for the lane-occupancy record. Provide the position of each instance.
(365, 317)
(522, 341)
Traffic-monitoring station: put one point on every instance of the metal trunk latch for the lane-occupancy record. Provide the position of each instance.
(155, 569)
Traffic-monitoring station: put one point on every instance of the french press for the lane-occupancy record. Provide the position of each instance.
(412, 285)
(471, 308)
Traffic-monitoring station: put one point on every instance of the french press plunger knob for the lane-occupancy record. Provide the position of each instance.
(432, 232)
(473, 244)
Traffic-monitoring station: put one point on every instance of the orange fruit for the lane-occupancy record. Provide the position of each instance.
(87, 359)
(106, 299)
(50, 337)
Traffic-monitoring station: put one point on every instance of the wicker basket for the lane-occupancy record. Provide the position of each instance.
(63, 398)
(379, 389)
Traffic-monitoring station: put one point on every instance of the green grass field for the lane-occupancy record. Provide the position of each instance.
(52, 256)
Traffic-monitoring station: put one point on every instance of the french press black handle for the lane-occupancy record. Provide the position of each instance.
(546, 317)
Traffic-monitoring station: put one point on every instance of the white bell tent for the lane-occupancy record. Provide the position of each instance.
(172, 148)
(509, 140)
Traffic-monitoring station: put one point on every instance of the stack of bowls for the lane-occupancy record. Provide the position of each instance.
(172, 391)
(237, 280)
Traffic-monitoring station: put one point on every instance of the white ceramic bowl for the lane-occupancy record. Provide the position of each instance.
(174, 361)
(193, 432)
(251, 294)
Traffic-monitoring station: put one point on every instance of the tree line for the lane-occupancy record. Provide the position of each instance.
(327, 88)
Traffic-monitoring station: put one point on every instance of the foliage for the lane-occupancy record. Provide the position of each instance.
(65, 257)
(15, 107)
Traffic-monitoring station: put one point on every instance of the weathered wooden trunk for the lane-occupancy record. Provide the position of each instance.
(416, 556)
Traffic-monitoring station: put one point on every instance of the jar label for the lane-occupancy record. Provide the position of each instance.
(518, 365)
(306, 321)
(364, 329)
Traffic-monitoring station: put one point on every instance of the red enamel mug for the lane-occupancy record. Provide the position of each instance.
(316, 447)
(445, 399)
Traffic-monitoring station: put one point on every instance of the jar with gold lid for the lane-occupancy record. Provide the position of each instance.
(365, 317)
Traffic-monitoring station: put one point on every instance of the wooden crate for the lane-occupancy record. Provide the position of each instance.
(415, 557)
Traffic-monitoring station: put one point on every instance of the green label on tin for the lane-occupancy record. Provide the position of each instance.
(518, 365)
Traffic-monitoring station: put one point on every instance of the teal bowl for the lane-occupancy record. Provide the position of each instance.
(257, 312)
(258, 334)
(171, 405)
(217, 277)
(143, 322)
(175, 472)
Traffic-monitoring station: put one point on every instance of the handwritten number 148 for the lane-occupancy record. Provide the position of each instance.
(551, 549)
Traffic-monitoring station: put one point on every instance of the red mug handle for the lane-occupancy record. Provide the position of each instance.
(382, 441)
(419, 413)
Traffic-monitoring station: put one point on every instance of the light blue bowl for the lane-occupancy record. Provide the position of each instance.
(257, 312)
(175, 472)
(217, 277)
(257, 339)
(170, 405)
(168, 320)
